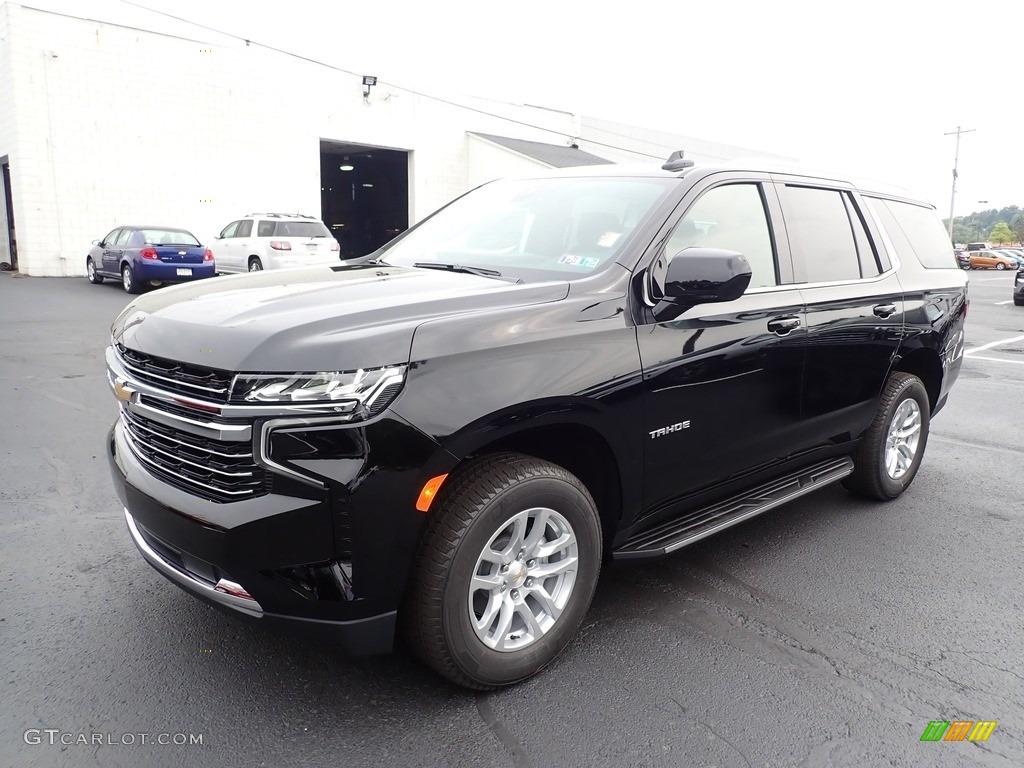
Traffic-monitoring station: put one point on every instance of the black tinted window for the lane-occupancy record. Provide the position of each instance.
(820, 234)
(917, 230)
(869, 264)
(244, 228)
(265, 229)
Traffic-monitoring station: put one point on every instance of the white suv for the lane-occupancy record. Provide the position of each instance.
(275, 241)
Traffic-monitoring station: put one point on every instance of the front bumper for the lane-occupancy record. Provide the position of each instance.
(236, 563)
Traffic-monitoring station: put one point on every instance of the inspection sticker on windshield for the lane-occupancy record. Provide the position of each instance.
(608, 239)
(579, 261)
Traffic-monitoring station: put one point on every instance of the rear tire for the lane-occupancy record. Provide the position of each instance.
(255, 265)
(128, 280)
(90, 269)
(494, 598)
(890, 453)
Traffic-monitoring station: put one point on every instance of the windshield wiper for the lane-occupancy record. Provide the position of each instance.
(458, 268)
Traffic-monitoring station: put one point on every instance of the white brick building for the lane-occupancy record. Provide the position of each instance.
(102, 124)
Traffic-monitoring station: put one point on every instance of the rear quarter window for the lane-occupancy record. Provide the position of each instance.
(916, 230)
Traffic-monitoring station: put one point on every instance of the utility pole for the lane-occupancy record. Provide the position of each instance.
(956, 161)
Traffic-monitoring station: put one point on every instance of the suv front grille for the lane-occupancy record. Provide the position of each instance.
(207, 383)
(217, 470)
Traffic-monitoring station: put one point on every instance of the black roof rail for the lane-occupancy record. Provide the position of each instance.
(282, 215)
(676, 162)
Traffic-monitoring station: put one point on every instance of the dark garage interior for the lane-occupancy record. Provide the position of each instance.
(364, 195)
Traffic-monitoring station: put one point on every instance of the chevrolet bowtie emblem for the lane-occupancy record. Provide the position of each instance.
(122, 391)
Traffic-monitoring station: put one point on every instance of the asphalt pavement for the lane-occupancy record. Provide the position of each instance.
(829, 632)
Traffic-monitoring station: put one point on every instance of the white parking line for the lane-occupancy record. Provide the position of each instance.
(997, 360)
(1000, 303)
(983, 347)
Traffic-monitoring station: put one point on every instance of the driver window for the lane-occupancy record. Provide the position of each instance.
(731, 217)
(229, 230)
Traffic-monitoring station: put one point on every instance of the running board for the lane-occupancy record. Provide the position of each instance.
(701, 523)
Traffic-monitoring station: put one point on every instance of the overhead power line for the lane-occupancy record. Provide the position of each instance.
(412, 91)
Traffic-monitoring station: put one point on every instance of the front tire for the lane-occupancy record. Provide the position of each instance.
(1000, 266)
(505, 572)
(890, 453)
(90, 269)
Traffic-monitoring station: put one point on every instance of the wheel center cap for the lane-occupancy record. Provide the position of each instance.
(516, 574)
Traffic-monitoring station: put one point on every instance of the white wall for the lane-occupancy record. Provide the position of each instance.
(117, 125)
(8, 137)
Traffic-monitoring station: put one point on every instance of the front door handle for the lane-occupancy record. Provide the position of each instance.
(783, 326)
(884, 310)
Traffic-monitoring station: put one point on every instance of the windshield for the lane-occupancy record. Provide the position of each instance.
(536, 229)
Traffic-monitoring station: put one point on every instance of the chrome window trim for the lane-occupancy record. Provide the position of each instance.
(185, 579)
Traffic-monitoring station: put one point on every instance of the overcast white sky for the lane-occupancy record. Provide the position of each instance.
(868, 86)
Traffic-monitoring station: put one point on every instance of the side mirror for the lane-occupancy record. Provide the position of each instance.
(703, 276)
(97, 242)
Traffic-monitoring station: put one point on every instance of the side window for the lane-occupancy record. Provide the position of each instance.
(265, 229)
(732, 217)
(916, 230)
(111, 237)
(229, 230)
(820, 234)
(869, 264)
(244, 228)
(122, 239)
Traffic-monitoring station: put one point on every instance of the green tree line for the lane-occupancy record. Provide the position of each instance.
(1003, 226)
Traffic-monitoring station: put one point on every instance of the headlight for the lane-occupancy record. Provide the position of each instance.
(372, 388)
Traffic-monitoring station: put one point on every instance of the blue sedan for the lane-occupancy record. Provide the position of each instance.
(139, 256)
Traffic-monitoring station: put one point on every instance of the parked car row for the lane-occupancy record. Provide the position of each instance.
(141, 256)
(991, 258)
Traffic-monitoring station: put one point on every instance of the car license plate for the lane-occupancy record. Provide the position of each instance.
(184, 272)
(311, 247)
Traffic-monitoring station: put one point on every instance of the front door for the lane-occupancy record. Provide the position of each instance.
(722, 381)
(109, 246)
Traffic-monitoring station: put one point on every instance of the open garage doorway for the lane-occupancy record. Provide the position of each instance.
(364, 195)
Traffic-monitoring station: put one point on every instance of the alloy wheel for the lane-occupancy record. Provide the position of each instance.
(523, 579)
(903, 439)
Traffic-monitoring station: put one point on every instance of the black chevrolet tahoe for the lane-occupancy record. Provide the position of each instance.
(446, 438)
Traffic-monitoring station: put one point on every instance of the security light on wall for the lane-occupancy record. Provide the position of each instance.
(346, 166)
(368, 82)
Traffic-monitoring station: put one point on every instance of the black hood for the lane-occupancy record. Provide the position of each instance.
(310, 319)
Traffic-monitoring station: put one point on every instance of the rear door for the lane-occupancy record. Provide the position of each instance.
(855, 307)
(722, 381)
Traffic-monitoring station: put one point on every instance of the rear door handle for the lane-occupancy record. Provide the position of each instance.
(884, 310)
(782, 326)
